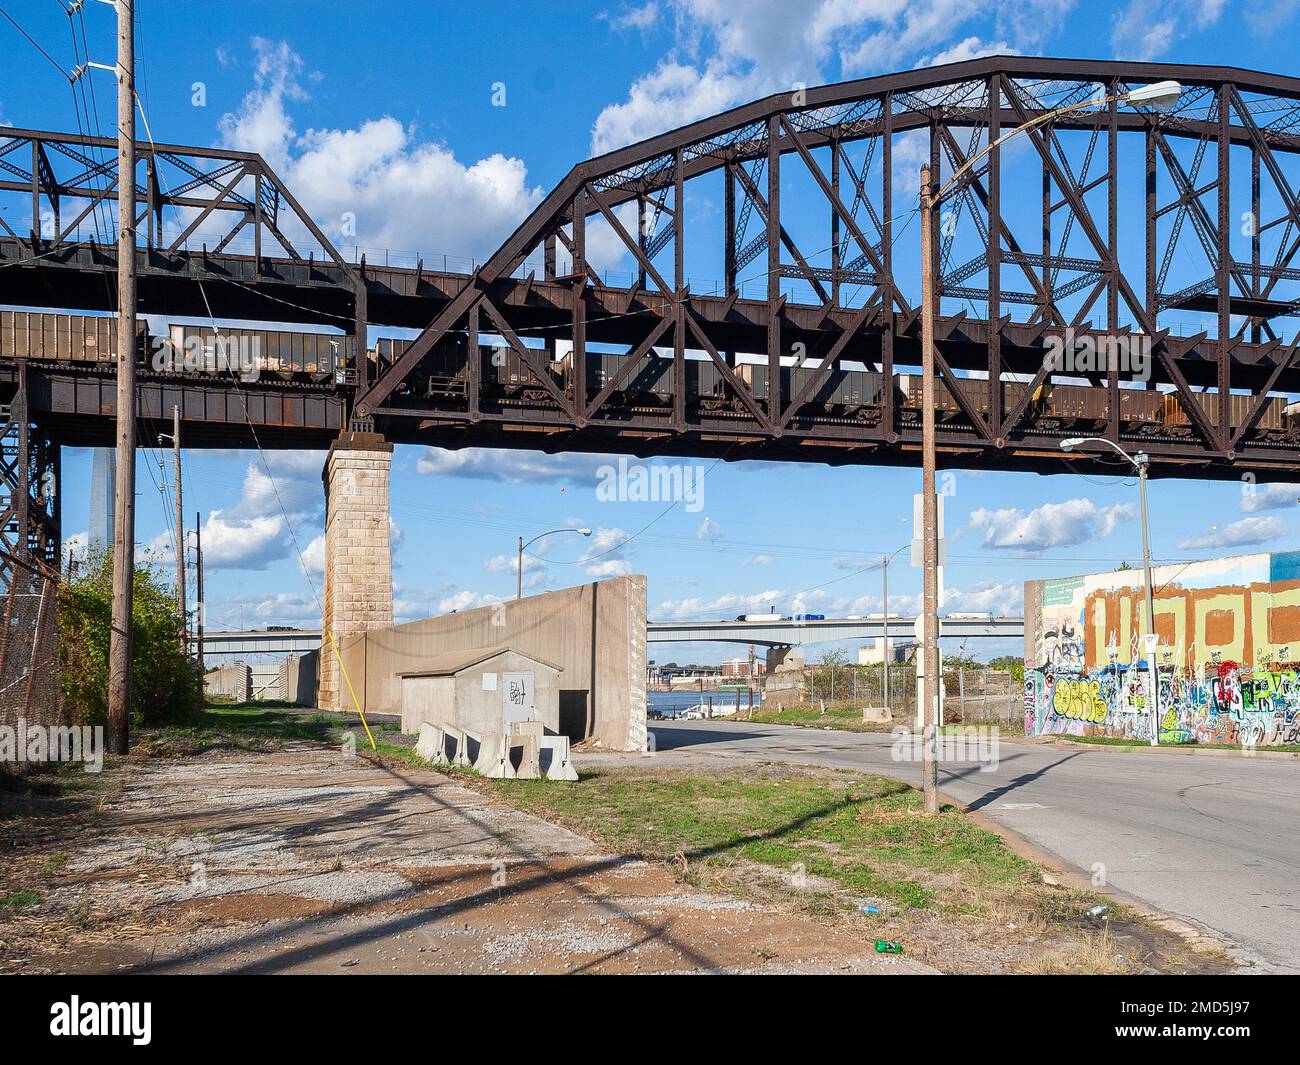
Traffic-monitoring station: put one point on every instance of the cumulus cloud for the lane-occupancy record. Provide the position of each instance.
(1074, 521)
(467, 600)
(378, 183)
(1148, 29)
(633, 18)
(969, 48)
(726, 53)
(1269, 497)
(758, 560)
(280, 503)
(1245, 532)
(1000, 598)
(607, 554)
(512, 467)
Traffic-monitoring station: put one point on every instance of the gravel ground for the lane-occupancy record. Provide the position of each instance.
(304, 860)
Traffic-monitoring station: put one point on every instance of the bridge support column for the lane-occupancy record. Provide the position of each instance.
(358, 557)
(781, 659)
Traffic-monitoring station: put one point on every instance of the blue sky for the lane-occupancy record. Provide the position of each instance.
(386, 111)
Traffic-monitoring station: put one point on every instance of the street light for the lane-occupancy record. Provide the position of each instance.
(519, 576)
(1159, 95)
(1139, 462)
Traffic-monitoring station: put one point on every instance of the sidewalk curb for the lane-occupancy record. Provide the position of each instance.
(1065, 743)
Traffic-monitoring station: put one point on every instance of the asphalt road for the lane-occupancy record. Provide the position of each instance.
(1206, 838)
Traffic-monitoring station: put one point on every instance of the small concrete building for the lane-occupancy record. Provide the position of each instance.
(482, 690)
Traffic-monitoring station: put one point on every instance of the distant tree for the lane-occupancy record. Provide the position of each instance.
(1012, 664)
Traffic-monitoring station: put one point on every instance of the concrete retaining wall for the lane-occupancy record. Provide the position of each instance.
(234, 682)
(594, 632)
(298, 678)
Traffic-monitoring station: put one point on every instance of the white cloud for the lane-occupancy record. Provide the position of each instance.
(1244, 532)
(969, 48)
(607, 554)
(231, 542)
(1148, 29)
(313, 558)
(74, 546)
(1267, 18)
(467, 600)
(286, 608)
(510, 563)
(1270, 497)
(512, 467)
(394, 189)
(727, 53)
(634, 18)
(1074, 521)
(758, 560)
(709, 530)
(1000, 598)
(610, 567)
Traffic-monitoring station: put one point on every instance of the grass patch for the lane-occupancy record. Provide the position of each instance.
(842, 718)
(849, 719)
(26, 897)
(860, 834)
(244, 726)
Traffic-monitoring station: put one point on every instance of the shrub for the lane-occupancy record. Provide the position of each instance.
(166, 685)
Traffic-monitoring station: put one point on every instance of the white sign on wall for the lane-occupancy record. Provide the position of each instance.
(517, 697)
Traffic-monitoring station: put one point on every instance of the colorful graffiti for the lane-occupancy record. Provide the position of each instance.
(1088, 676)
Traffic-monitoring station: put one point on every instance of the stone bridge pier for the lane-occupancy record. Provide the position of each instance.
(358, 555)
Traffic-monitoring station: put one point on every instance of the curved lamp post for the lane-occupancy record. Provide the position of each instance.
(519, 574)
(1159, 95)
(1139, 462)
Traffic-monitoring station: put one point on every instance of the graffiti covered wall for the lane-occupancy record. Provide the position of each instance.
(1227, 654)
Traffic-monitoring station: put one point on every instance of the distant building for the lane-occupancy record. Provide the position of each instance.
(741, 666)
(900, 651)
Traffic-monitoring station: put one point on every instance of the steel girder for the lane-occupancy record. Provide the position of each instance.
(194, 205)
(29, 491)
(1071, 265)
(1110, 222)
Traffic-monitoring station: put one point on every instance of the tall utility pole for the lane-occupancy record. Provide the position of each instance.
(180, 525)
(198, 584)
(119, 654)
(929, 508)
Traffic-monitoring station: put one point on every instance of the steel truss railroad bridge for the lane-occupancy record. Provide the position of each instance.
(1115, 221)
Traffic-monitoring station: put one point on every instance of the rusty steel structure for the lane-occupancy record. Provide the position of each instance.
(1171, 233)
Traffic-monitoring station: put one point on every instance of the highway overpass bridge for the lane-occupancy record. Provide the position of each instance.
(762, 633)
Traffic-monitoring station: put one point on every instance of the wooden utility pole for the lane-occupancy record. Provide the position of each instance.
(198, 582)
(180, 525)
(119, 655)
(929, 507)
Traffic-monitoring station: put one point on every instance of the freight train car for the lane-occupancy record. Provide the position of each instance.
(841, 393)
(504, 375)
(60, 337)
(252, 352)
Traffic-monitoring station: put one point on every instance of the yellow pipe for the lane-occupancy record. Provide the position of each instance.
(352, 691)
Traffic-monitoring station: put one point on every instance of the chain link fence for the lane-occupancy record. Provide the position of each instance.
(29, 686)
(971, 696)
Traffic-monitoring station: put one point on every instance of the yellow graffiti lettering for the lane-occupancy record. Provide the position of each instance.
(1079, 700)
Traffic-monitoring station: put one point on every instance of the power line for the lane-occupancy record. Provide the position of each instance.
(36, 44)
